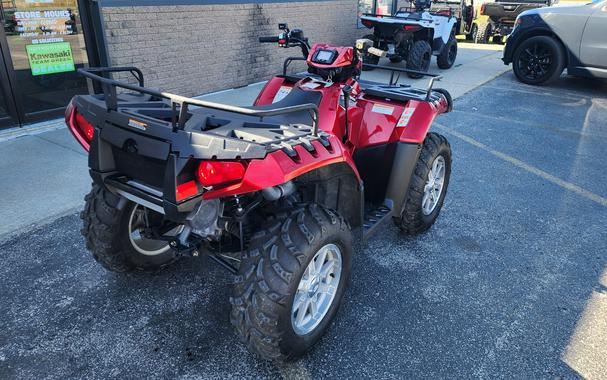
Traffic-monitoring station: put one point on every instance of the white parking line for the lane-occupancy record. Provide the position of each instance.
(531, 169)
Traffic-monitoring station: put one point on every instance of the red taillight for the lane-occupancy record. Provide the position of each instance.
(85, 127)
(213, 173)
(367, 23)
(82, 130)
(411, 27)
(186, 190)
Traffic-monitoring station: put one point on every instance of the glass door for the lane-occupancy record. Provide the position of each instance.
(45, 48)
(8, 113)
(6, 117)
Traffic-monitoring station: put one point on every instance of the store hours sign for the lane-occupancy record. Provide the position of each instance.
(51, 58)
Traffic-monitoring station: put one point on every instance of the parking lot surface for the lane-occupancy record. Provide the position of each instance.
(511, 282)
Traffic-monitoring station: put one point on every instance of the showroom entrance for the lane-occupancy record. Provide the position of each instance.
(41, 47)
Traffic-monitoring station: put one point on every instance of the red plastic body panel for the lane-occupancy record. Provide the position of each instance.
(269, 91)
(345, 56)
(420, 121)
(277, 168)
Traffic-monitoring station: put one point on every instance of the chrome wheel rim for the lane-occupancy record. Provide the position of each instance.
(316, 289)
(434, 185)
(143, 245)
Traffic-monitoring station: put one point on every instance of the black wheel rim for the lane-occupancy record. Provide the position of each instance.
(535, 61)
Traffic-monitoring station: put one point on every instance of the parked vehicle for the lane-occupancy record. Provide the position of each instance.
(547, 40)
(500, 16)
(464, 13)
(414, 35)
(275, 193)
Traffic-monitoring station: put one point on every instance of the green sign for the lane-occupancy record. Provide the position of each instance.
(50, 58)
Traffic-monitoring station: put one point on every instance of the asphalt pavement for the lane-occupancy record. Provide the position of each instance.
(511, 282)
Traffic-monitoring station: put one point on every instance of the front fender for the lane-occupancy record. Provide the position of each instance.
(417, 118)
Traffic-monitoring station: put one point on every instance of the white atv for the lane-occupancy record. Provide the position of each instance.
(413, 35)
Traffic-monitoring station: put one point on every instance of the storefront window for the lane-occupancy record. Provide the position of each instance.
(46, 47)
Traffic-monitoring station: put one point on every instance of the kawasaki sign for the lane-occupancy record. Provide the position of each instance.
(50, 58)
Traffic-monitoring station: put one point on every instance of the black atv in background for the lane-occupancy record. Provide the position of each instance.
(500, 17)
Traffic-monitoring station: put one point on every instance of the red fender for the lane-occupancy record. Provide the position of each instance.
(268, 93)
(416, 120)
(277, 168)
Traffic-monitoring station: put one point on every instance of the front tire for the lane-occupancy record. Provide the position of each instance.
(446, 58)
(428, 186)
(419, 58)
(538, 60)
(275, 280)
(112, 235)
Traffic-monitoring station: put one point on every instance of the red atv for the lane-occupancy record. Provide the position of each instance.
(275, 193)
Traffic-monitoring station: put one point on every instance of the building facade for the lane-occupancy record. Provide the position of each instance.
(189, 47)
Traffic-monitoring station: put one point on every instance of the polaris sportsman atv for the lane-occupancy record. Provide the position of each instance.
(275, 193)
(414, 35)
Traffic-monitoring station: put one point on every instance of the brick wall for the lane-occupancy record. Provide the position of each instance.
(196, 49)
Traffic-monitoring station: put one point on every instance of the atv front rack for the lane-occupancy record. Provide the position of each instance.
(180, 104)
(394, 81)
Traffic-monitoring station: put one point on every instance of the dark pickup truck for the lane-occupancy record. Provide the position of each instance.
(501, 15)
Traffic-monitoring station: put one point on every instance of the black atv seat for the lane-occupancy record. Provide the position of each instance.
(296, 97)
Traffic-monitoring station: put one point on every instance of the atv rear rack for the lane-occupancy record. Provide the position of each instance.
(179, 104)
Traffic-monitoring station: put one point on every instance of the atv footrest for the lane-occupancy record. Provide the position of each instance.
(374, 218)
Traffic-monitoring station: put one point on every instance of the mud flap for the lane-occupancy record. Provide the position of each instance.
(405, 160)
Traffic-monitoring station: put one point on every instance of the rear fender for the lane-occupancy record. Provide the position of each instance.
(338, 187)
(278, 167)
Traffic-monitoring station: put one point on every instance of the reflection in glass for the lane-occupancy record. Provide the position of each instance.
(46, 47)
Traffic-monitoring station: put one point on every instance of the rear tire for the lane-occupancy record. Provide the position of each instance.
(419, 58)
(107, 233)
(538, 60)
(446, 58)
(416, 215)
(270, 278)
(370, 58)
(484, 34)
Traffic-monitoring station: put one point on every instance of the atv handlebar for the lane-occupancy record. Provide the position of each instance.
(272, 39)
(289, 38)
